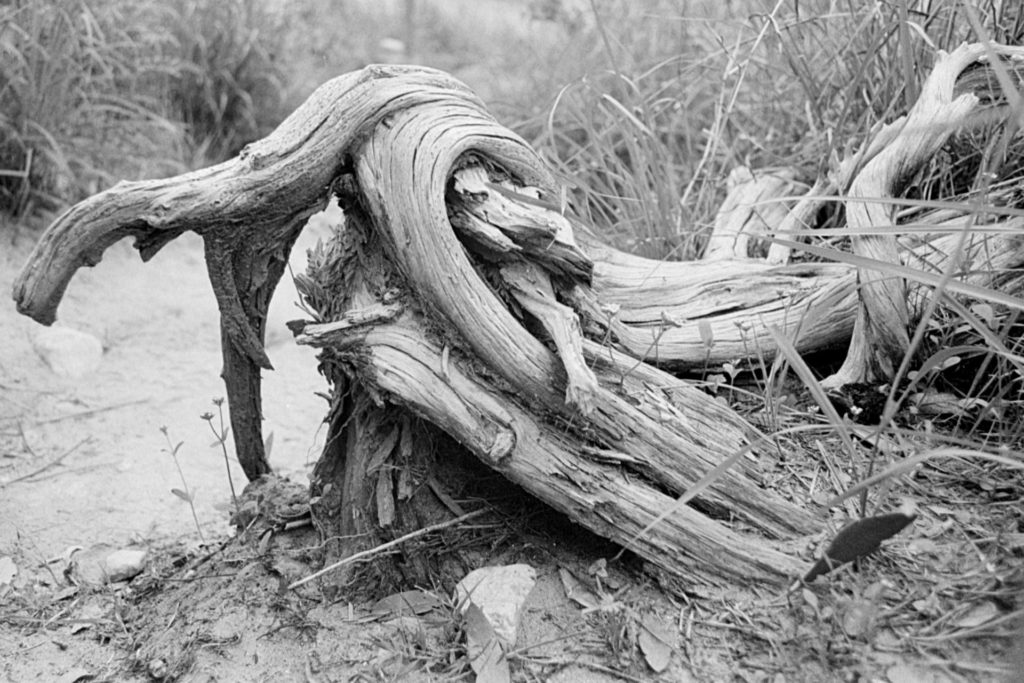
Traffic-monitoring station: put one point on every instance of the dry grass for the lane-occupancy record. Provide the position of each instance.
(77, 106)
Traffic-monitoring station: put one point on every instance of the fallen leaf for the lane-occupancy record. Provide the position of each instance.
(66, 555)
(811, 599)
(885, 444)
(90, 614)
(1013, 541)
(264, 543)
(599, 568)
(576, 591)
(181, 494)
(915, 673)
(68, 592)
(859, 617)
(979, 614)
(888, 640)
(920, 546)
(928, 606)
(821, 497)
(876, 591)
(986, 313)
(485, 653)
(406, 603)
(903, 673)
(858, 539)
(655, 643)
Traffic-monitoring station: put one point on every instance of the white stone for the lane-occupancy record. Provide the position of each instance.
(499, 592)
(67, 351)
(122, 565)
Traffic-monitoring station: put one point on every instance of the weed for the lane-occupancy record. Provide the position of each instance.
(184, 493)
(221, 434)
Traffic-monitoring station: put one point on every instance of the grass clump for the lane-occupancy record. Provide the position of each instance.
(648, 135)
(92, 92)
(227, 88)
(77, 104)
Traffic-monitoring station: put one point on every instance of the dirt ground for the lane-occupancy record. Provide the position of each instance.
(160, 367)
(84, 470)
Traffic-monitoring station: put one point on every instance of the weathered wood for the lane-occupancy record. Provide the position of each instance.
(458, 291)
(880, 337)
(593, 486)
(753, 207)
(532, 289)
(248, 210)
(402, 175)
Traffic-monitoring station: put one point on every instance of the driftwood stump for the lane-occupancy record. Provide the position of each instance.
(459, 298)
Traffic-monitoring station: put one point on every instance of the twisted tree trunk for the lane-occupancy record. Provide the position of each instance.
(459, 299)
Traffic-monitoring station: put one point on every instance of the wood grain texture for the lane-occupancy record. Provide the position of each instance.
(880, 337)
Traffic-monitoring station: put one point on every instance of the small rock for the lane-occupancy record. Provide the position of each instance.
(225, 629)
(68, 352)
(8, 570)
(499, 592)
(90, 564)
(909, 672)
(125, 564)
(158, 668)
(102, 564)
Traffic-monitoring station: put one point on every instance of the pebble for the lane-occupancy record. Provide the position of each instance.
(100, 565)
(125, 564)
(68, 352)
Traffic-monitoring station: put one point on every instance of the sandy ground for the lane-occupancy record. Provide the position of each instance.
(160, 367)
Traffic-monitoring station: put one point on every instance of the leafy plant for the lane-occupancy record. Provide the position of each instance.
(184, 493)
(220, 432)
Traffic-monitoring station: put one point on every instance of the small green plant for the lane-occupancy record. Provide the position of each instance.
(220, 432)
(184, 493)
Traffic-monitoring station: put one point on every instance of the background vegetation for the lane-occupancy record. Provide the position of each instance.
(644, 107)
